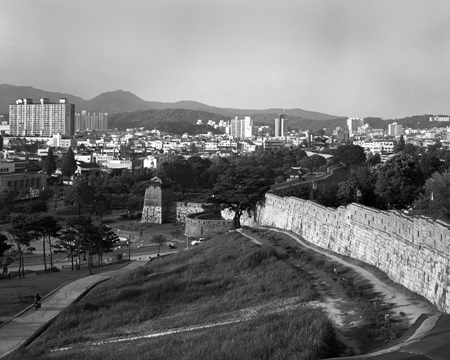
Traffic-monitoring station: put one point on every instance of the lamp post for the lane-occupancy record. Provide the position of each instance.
(129, 249)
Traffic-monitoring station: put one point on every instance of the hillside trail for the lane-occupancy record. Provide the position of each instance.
(393, 292)
(405, 306)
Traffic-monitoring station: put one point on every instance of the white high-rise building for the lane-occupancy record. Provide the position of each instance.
(280, 126)
(41, 119)
(242, 128)
(88, 121)
(394, 129)
(354, 123)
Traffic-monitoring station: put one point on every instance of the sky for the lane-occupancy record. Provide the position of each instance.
(356, 58)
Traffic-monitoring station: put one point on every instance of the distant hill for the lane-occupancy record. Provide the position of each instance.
(176, 121)
(152, 119)
(124, 101)
(10, 93)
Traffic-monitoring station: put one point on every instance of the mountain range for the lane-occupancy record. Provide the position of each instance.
(120, 101)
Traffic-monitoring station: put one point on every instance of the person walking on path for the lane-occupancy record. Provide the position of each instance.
(37, 301)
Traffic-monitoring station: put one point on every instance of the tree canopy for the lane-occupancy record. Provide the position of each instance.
(399, 183)
(435, 200)
(239, 189)
(400, 144)
(69, 164)
(49, 163)
(349, 155)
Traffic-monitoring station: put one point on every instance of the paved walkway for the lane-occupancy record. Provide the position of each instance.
(30, 323)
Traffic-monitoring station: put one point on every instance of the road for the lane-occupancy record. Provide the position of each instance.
(34, 261)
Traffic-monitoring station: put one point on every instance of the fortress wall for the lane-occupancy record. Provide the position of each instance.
(198, 227)
(412, 250)
(182, 209)
(174, 212)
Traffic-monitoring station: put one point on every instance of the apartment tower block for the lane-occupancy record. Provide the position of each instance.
(41, 119)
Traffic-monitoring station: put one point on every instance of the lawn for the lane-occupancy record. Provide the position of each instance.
(253, 302)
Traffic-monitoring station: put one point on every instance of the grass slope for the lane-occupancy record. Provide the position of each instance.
(227, 280)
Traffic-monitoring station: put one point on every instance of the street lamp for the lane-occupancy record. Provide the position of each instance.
(129, 249)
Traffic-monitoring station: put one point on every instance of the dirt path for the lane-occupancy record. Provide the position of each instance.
(393, 293)
(402, 305)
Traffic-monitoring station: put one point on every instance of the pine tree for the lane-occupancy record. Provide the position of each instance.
(69, 164)
(50, 163)
(400, 145)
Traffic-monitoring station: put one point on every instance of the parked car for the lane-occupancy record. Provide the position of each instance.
(196, 242)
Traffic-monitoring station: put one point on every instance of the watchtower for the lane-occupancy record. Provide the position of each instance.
(157, 201)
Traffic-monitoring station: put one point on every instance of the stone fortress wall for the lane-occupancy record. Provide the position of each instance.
(413, 251)
(174, 212)
(198, 225)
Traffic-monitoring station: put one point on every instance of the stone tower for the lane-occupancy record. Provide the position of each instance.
(157, 201)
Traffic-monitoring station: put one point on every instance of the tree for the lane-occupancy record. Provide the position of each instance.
(435, 200)
(218, 167)
(313, 162)
(49, 163)
(180, 172)
(160, 240)
(326, 195)
(3, 244)
(80, 226)
(200, 167)
(399, 182)
(47, 227)
(349, 155)
(430, 163)
(69, 164)
(106, 244)
(101, 204)
(399, 145)
(359, 187)
(411, 150)
(21, 234)
(6, 202)
(68, 241)
(374, 159)
(239, 189)
(81, 192)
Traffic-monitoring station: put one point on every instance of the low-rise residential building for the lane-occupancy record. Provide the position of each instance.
(377, 147)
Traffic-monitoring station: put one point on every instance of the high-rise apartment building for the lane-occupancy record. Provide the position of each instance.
(41, 119)
(242, 128)
(88, 121)
(394, 129)
(354, 123)
(280, 126)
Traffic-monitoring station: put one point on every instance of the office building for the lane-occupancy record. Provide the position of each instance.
(280, 126)
(41, 119)
(242, 128)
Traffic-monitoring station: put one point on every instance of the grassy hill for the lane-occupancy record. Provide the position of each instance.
(226, 299)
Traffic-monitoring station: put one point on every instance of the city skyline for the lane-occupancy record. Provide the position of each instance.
(346, 58)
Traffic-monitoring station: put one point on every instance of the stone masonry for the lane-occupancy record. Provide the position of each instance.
(160, 207)
(413, 251)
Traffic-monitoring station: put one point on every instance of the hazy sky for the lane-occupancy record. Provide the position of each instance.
(387, 58)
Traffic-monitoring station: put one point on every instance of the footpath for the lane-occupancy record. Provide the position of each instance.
(427, 338)
(30, 323)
